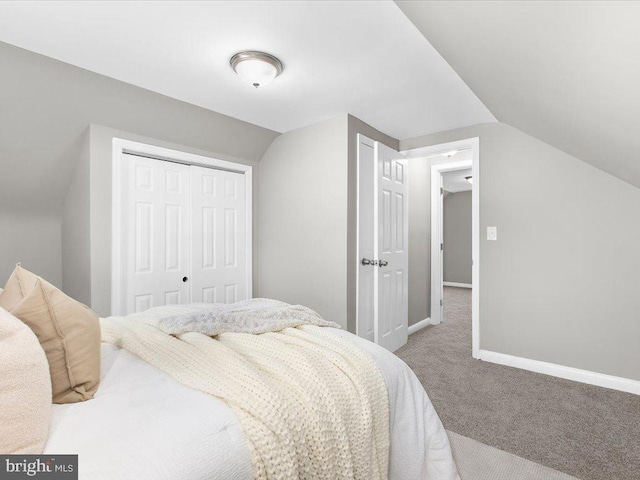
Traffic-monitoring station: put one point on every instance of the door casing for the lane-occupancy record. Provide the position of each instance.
(437, 237)
(422, 152)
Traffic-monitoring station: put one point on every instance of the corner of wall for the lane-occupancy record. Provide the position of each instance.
(75, 229)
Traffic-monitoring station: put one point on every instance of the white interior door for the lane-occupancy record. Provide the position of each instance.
(437, 245)
(219, 236)
(367, 241)
(392, 248)
(383, 257)
(155, 215)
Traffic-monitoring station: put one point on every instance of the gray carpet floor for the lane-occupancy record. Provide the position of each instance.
(589, 432)
(477, 461)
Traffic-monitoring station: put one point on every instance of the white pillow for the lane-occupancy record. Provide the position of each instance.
(25, 389)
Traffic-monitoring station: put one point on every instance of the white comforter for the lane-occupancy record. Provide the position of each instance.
(143, 425)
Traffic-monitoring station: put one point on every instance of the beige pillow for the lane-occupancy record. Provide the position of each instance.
(19, 284)
(68, 331)
(25, 389)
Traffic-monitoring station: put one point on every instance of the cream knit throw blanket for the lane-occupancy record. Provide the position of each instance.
(312, 405)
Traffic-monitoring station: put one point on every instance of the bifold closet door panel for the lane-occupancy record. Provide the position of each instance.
(218, 240)
(156, 219)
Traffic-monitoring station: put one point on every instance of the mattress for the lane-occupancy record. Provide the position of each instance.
(143, 425)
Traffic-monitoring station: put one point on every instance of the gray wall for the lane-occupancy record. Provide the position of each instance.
(457, 237)
(356, 126)
(419, 239)
(46, 109)
(302, 254)
(76, 260)
(32, 238)
(559, 283)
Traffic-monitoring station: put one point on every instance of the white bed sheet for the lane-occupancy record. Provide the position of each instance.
(143, 425)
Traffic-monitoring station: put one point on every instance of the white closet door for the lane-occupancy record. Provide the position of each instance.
(218, 236)
(155, 250)
(393, 253)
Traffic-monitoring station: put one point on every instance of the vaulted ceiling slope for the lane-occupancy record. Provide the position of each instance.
(567, 73)
(363, 58)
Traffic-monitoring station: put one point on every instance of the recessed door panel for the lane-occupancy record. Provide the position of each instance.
(143, 177)
(209, 295)
(399, 295)
(173, 180)
(173, 237)
(399, 240)
(208, 184)
(386, 223)
(143, 226)
(230, 237)
(231, 293)
(208, 237)
(143, 302)
(386, 168)
(399, 172)
(231, 187)
(172, 298)
(386, 304)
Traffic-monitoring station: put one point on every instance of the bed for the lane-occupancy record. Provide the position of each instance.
(142, 424)
(258, 389)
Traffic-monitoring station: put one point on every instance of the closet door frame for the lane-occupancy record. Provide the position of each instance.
(122, 147)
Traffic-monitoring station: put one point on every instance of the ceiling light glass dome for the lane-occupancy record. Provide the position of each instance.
(256, 68)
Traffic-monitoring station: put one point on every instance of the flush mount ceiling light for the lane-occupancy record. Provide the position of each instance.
(469, 179)
(450, 154)
(257, 68)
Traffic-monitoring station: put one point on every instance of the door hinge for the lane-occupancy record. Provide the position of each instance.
(441, 191)
(440, 302)
(442, 246)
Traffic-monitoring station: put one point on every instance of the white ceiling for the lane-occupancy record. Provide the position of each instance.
(565, 72)
(455, 181)
(362, 58)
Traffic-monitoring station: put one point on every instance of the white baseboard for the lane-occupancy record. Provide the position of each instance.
(569, 373)
(456, 284)
(418, 325)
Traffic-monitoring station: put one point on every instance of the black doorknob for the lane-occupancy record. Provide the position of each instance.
(185, 279)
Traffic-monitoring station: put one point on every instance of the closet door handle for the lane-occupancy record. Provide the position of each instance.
(185, 279)
(366, 261)
(383, 263)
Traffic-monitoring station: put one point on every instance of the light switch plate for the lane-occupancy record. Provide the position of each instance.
(492, 233)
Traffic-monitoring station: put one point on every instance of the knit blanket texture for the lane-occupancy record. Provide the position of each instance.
(311, 403)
